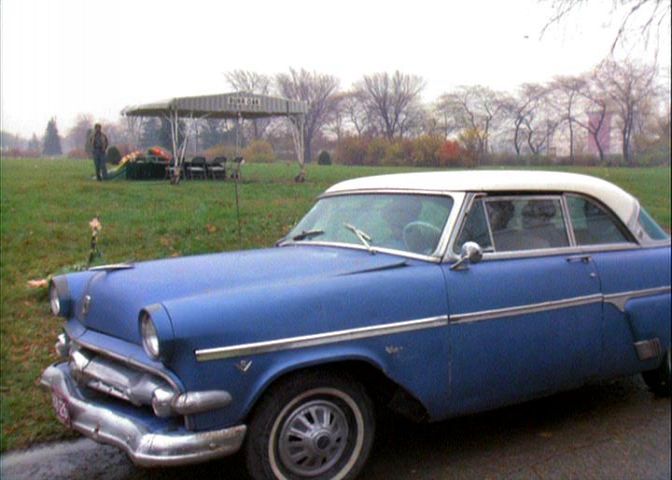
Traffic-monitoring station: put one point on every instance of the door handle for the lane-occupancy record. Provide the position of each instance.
(578, 258)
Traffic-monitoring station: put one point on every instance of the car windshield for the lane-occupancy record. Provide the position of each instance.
(405, 222)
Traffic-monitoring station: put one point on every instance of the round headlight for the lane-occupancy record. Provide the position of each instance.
(150, 338)
(54, 301)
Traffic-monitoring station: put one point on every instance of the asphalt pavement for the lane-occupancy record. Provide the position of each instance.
(611, 430)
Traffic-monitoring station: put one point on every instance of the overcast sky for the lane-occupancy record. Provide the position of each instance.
(64, 57)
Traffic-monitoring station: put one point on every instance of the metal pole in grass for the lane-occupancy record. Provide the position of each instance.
(236, 177)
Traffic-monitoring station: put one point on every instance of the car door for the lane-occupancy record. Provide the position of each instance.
(527, 319)
(635, 283)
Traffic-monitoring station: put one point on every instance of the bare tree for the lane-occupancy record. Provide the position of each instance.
(627, 86)
(133, 129)
(444, 119)
(518, 108)
(318, 91)
(540, 126)
(474, 108)
(638, 17)
(252, 82)
(595, 110)
(353, 109)
(391, 101)
(564, 96)
(77, 137)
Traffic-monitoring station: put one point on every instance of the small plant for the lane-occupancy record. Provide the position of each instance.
(94, 253)
(324, 158)
(96, 227)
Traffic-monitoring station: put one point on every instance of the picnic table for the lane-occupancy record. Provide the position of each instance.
(148, 167)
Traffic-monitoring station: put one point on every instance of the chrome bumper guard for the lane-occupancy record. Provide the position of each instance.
(145, 446)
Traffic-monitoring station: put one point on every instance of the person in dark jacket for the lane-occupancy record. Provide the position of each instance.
(98, 148)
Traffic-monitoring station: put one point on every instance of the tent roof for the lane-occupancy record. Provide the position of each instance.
(224, 105)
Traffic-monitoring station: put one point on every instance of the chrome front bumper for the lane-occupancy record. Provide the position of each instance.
(146, 440)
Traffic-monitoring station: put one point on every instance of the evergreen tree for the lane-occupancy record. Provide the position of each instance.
(52, 141)
(34, 144)
(156, 133)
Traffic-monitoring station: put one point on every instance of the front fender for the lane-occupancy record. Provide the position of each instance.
(416, 361)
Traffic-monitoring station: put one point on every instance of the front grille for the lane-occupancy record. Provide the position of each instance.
(113, 377)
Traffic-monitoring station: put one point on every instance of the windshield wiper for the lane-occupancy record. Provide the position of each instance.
(363, 237)
(307, 234)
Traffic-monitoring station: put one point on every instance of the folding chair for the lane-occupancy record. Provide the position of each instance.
(217, 168)
(197, 168)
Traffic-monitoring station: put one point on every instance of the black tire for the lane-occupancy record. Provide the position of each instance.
(659, 380)
(310, 425)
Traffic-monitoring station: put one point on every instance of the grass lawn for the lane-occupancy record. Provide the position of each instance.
(46, 206)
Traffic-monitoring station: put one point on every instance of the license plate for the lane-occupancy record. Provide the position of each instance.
(60, 407)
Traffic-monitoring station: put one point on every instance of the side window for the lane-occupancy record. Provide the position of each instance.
(526, 223)
(650, 226)
(475, 228)
(592, 224)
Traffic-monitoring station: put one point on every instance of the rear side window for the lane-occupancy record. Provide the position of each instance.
(592, 224)
(650, 226)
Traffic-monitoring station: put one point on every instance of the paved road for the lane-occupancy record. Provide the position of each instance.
(612, 430)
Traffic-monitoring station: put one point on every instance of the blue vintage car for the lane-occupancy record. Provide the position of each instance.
(434, 294)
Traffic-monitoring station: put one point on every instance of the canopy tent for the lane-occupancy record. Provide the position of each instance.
(237, 106)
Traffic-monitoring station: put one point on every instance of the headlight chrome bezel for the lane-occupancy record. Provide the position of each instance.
(150, 336)
(60, 301)
(54, 300)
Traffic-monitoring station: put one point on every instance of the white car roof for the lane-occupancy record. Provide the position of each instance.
(624, 205)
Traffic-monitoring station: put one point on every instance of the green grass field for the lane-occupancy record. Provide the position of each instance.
(46, 206)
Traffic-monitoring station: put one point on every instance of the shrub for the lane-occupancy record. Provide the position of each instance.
(220, 151)
(375, 151)
(113, 155)
(351, 151)
(470, 146)
(324, 158)
(449, 154)
(259, 151)
(396, 155)
(79, 154)
(426, 150)
(21, 153)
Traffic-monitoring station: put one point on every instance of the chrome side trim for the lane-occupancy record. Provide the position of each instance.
(620, 299)
(525, 309)
(617, 299)
(319, 339)
(304, 341)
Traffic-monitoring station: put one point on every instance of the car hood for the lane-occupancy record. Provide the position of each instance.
(116, 297)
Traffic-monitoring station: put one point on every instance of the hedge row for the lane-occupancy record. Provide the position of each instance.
(423, 151)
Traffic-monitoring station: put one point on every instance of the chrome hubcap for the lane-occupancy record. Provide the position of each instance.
(313, 438)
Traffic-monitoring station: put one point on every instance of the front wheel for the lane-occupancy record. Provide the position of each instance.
(660, 379)
(311, 425)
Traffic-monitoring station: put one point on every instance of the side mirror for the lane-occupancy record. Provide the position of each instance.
(471, 252)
